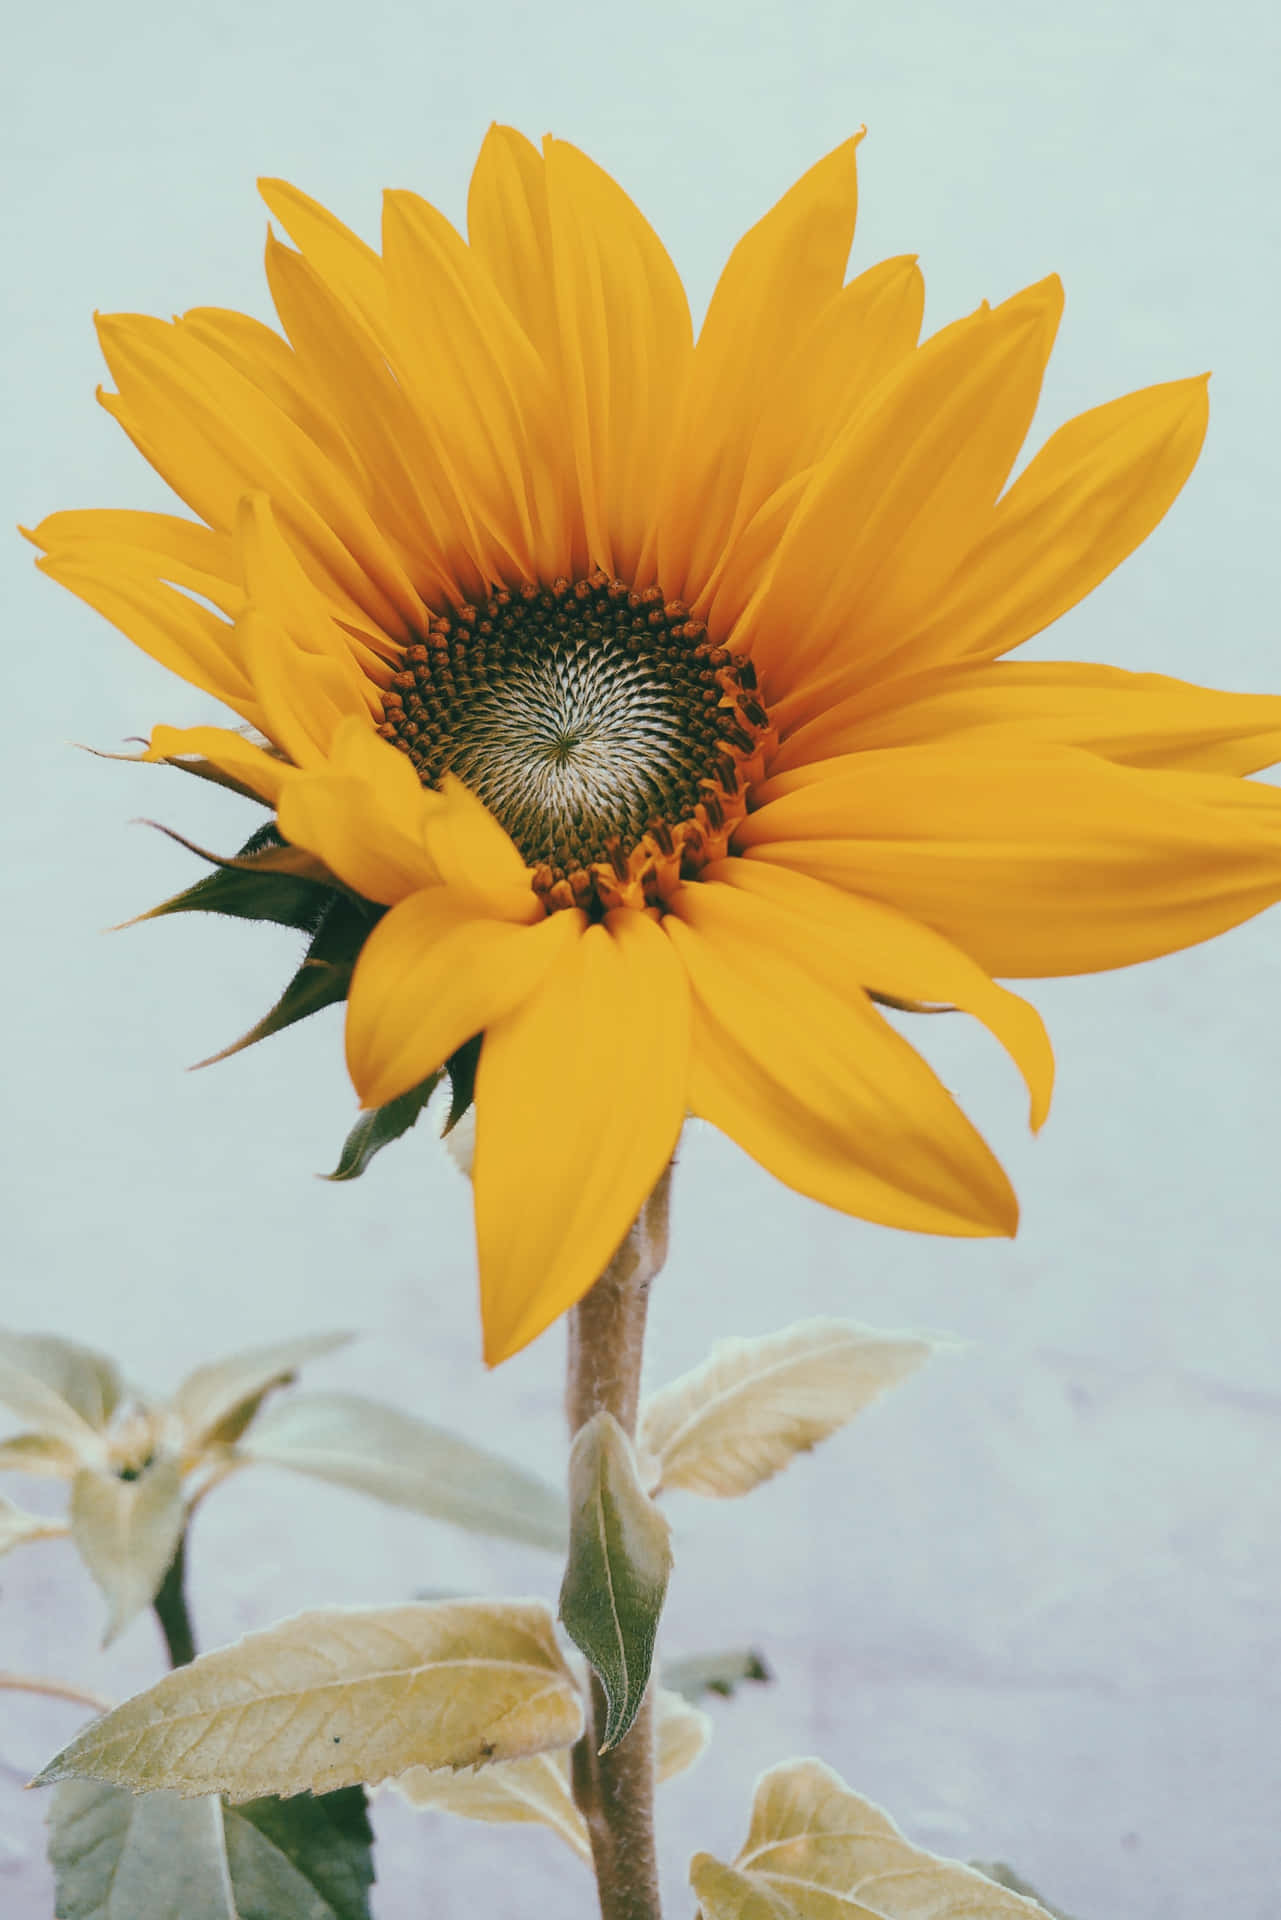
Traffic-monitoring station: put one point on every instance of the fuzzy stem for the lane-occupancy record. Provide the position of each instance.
(170, 1608)
(615, 1790)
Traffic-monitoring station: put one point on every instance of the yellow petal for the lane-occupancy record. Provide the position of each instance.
(432, 974)
(170, 548)
(349, 265)
(903, 495)
(625, 349)
(214, 436)
(1092, 494)
(347, 364)
(855, 341)
(483, 390)
(340, 818)
(580, 1096)
(244, 761)
(1037, 861)
(779, 277)
(277, 585)
(475, 854)
(847, 940)
(1138, 719)
(816, 1086)
(174, 629)
(509, 228)
(304, 697)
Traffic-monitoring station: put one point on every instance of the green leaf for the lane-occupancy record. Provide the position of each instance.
(393, 1456)
(152, 1856)
(374, 1131)
(619, 1561)
(321, 980)
(722, 1673)
(262, 891)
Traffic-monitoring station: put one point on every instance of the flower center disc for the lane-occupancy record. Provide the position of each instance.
(599, 725)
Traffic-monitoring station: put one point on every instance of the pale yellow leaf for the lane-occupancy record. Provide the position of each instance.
(538, 1791)
(16, 1526)
(226, 1393)
(817, 1851)
(126, 1532)
(62, 1388)
(737, 1419)
(526, 1792)
(391, 1455)
(38, 1453)
(339, 1696)
(681, 1731)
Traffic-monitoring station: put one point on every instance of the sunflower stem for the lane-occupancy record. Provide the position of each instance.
(615, 1790)
(171, 1610)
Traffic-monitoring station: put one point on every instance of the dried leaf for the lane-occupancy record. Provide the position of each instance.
(340, 1696)
(17, 1527)
(375, 1130)
(40, 1454)
(680, 1733)
(62, 1388)
(698, 1673)
(752, 1405)
(615, 1581)
(817, 1851)
(376, 1449)
(126, 1532)
(1005, 1876)
(226, 1393)
(152, 1856)
(533, 1792)
(537, 1791)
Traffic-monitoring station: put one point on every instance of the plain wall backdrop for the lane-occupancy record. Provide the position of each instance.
(1028, 1604)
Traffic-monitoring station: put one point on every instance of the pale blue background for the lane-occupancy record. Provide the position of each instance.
(1030, 1604)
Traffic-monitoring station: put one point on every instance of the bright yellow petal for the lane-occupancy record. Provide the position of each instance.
(340, 256)
(1037, 861)
(580, 1097)
(816, 1086)
(903, 495)
(509, 228)
(625, 350)
(487, 396)
(1092, 494)
(777, 280)
(430, 976)
(339, 818)
(277, 585)
(244, 762)
(1137, 719)
(847, 940)
(174, 629)
(170, 548)
(347, 365)
(215, 436)
(305, 697)
(475, 854)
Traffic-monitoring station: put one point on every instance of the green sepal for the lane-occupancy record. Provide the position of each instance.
(324, 976)
(266, 880)
(461, 1068)
(375, 1130)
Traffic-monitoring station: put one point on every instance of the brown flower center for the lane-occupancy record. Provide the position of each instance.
(599, 725)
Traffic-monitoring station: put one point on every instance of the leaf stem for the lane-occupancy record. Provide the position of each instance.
(170, 1608)
(615, 1790)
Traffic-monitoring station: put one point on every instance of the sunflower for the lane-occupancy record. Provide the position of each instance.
(649, 691)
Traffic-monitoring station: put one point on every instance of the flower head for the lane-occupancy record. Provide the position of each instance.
(650, 692)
